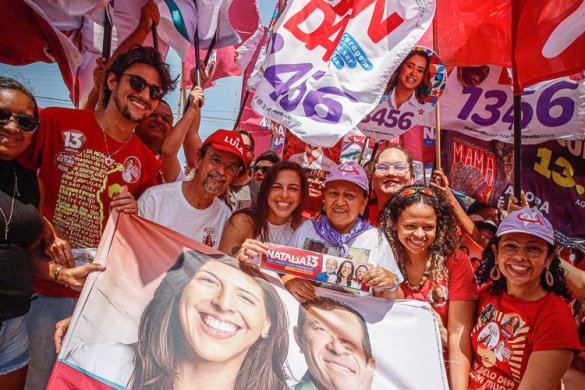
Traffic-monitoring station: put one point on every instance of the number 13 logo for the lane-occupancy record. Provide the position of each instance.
(73, 139)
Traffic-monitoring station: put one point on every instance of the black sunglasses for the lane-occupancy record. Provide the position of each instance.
(261, 169)
(25, 123)
(138, 84)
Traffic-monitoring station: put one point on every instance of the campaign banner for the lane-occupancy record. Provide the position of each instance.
(169, 312)
(411, 95)
(553, 178)
(319, 267)
(479, 102)
(327, 64)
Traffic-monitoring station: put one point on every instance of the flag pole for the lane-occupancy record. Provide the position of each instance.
(244, 100)
(155, 37)
(437, 111)
(107, 40)
(517, 109)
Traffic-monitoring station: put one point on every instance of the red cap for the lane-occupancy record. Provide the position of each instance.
(228, 141)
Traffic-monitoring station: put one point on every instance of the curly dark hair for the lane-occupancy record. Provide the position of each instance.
(488, 261)
(259, 215)
(422, 90)
(138, 54)
(446, 239)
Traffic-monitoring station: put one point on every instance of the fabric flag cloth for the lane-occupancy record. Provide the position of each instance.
(327, 66)
(180, 19)
(28, 36)
(154, 273)
(550, 36)
(479, 102)
(244, 17)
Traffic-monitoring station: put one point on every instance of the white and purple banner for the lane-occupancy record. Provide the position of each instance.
(327, 66)
(479, 102)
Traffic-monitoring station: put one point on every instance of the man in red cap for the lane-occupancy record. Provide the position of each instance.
(192, 207)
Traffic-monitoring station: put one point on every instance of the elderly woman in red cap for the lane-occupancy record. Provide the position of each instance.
(344, 231)
(533, 337)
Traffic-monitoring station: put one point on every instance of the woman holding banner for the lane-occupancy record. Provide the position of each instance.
(422, 230)
(209, 325)
(344, 231)
(525, 285)
(280, 202)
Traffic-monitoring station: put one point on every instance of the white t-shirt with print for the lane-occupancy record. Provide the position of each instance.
(369, 247)
(167, 206)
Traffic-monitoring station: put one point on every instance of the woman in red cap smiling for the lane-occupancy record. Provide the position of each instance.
(530, 323)
(344, 231)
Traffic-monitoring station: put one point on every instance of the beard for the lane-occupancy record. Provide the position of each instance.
(214, 182)
(125, 108)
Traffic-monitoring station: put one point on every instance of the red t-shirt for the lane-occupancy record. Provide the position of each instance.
(509, 329)
(69, 148)
(462, 286)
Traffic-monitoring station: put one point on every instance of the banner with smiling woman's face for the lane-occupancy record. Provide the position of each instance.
(170, 312)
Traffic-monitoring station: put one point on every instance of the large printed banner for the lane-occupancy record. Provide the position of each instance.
(479, 102)
(553, 178)
(327, 66)
(173, 312)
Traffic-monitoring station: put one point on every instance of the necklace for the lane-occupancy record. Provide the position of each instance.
(422, 282)
(9, 219)
(109, 160)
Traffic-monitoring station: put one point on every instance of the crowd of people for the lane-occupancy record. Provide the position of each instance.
(63, 171)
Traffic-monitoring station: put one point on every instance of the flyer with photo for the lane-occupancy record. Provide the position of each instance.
(319, 267)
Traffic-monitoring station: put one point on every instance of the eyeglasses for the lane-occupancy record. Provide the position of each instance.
(417, 190)
(399, 168)
(165, 117)
(138, 84)
(261, 169)
(532, 250)
(230, 168)
(25, 123)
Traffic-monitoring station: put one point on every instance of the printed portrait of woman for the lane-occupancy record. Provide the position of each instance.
(438, 296)
(209, 325)
(345, 273)
(511, 325)
(411, 81)
(357, 280)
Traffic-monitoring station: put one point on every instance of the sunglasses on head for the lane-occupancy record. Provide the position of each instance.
(138, 84)
(417, 190)
(25, 123)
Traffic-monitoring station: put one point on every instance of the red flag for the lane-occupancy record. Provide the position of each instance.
(550, 36)
(28, 37)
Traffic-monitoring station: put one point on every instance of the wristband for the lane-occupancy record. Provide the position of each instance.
(56, 273)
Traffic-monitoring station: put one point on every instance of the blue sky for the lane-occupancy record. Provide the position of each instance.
(44, 80)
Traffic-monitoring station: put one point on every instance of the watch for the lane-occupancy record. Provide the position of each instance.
(56, 273)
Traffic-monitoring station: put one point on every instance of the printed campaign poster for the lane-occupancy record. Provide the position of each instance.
(553, 178)
(479, 102)
(169, 312)
(336, 271)
(317, 162)
(410, 96)
(328, 63)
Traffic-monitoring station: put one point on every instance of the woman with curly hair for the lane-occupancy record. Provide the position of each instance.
(422, 230)
(411, 81)
(524, 283)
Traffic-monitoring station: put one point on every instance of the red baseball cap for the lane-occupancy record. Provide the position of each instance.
(228, 141)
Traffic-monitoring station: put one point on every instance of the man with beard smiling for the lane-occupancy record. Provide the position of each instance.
(192, 208)
(80, 156)
(336, 344)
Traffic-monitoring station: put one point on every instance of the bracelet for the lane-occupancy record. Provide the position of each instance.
(56, 273)
(395, 287)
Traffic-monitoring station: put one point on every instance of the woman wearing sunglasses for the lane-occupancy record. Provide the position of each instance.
(277, 215)
(422, 230)
(20, 228)
(531, 325)
(392, 170)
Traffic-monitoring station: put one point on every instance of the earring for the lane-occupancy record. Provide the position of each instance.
(550, 281)
(495, 273)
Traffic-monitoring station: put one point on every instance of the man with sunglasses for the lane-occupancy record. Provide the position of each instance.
(193, 208)
(263, 163)
(90, 162)
(244, 188)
